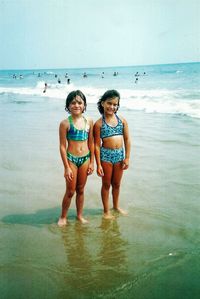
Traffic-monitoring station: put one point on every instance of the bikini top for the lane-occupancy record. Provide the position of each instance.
(76, 134)
(108, 131)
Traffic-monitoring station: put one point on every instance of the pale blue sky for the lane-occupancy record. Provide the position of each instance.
(91, 33)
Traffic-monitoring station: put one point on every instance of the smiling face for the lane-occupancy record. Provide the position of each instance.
(77, 105)
(75, 101)
(110, 105)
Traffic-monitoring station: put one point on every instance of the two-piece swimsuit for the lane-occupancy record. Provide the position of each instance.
(77, 135)
(107, 154)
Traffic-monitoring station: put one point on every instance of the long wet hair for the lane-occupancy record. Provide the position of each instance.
(73, 95)
(109, 94)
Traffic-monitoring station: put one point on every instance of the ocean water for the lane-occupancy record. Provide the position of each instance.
(151, 253)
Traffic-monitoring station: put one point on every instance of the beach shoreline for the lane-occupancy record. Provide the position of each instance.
(146, 254)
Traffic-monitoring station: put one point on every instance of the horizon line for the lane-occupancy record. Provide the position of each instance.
(98, 67)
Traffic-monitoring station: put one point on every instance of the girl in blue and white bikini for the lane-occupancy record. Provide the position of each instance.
(77, 153)
(111, 136)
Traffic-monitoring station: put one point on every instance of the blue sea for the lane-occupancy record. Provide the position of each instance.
(152, 253)
(172, 88)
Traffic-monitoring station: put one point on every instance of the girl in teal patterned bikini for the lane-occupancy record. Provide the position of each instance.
(111, 135)
(77, 153)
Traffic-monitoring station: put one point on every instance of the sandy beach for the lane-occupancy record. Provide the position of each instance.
(142, 255)
(149, 52)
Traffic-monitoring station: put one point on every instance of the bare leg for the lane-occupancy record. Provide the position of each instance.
(116, 181)
(106, 182)
(70, 189)
(81, 181)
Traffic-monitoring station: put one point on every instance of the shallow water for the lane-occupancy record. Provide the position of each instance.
(152, 253)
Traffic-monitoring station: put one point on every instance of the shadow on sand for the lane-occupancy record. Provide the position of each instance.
(45, 216)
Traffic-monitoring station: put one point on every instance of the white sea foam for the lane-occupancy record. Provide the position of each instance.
(178, 101)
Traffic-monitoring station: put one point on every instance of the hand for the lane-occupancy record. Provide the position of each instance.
(125, 164)
(68, 174)
(90, 168)
(100, 171)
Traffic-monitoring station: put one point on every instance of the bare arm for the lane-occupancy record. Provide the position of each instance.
(91, 148)
(97, 145)
(127, 145)
(63, 129)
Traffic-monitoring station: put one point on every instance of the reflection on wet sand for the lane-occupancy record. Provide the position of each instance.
(78, 264)
(112, 256)
(92, 255)
(112, 246)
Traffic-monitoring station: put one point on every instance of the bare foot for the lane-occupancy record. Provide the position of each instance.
(62, 222)
(82, 220)
(108, 216)
(121, 211)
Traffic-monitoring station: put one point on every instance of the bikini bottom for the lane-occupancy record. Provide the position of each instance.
(78, 161)
(111, 155)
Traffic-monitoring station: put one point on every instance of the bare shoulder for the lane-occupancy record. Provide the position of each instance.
(64, 124)
(122, 119)
(98, 123)
(89, 119)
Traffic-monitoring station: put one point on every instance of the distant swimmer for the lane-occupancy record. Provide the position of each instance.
(136, 80)
(59, 81)
(66, 75)
(102, 75)
(137, 74)
(68, 81)
(84, 75)
(45, 87)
